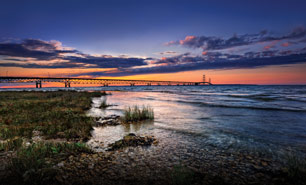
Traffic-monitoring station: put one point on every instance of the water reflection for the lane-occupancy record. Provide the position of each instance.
(189, 119)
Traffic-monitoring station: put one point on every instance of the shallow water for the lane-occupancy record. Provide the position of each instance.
(266, 119)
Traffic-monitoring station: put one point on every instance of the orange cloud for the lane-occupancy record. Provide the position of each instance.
(187, 39)
(286, 44)
(271, 45)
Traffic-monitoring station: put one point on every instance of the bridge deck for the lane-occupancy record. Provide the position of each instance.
(105, 82)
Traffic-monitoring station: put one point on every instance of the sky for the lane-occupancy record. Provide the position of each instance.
(232, 42)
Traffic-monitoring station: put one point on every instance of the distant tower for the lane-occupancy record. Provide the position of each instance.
(209, 81)
(204, 79)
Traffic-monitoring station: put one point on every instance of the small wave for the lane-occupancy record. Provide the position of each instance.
(242, 107)
(260, 97)
(183, 131)
(296, 100)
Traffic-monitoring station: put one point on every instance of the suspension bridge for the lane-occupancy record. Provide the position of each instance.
(68, 82)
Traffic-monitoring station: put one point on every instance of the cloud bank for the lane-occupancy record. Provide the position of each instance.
(239, 51)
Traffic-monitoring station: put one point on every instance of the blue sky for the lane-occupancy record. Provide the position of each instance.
(141, 27)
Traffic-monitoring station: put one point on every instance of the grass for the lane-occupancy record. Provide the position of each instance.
(104, 104)
(135, 114)
(55, 114)
(296, 169)
(182, 176)
(30, 165)
(60, 114)
(11, 144)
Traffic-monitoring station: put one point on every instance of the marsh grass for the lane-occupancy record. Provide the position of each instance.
(296, 169)
(60, 114)
(49, 112)
(31, 165)
(135, 114)
(11, 144)
(104, 105)
(182, 176)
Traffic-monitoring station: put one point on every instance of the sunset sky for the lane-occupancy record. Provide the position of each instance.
(232, 42)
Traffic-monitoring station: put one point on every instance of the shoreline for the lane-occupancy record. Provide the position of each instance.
(158, 164)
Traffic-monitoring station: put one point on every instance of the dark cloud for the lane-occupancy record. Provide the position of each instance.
(32, 50)
(32, 53)
(18, 50)
(168, 53)
(217, 43)
(221, 61)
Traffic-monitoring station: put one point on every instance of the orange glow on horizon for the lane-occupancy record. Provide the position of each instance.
(286, 74)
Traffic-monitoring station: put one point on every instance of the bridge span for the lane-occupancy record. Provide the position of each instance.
(104, 82)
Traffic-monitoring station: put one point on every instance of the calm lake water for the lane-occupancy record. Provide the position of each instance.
(265, 119)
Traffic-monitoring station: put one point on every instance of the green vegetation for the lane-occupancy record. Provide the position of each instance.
(135, 114)
(11, 144)
(48, 115)
(182, 176)
(54, 114)
(33, 164)
(104, 104)
(295, 169)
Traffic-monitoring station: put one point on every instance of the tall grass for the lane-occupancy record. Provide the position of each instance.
(31, 165)
(296, 169)
(182, 176)
(134, 114)
(11, 144)
(104, 104)
(55, 114)
(60, 114)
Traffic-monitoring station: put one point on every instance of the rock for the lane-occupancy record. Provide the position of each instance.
(83, 155)
(61, 164)
(131, 134)
(36, 133)
(60, 135)
(132, 140)
(112, 120)
(264, 163)
(91, 166)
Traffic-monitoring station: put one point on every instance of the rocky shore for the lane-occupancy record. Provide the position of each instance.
(127, 161)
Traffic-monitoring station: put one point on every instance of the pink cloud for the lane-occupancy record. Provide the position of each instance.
(187, 39)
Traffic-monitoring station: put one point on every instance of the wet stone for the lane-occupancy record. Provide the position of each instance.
(111, 120)
(132, 140)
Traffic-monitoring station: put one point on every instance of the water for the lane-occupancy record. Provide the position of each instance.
(265, 119)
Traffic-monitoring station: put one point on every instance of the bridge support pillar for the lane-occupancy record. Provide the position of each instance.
(149, 84)
(67, 84)
(38, 84)
(105, 85)
(132, 84)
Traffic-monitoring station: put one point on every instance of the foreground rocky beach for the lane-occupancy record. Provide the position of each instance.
(58, 148)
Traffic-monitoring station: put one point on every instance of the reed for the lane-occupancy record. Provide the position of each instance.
(135, 114)
(104, 105)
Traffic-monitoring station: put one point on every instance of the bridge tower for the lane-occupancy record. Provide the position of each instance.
(38, 84)
(67, 84)
(209, 81)
(204, 78)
